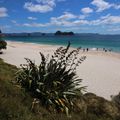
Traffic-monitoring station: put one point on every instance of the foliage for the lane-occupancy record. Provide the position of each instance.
(64, 33)
(101, 107)
(15, 103)
(54, 81)
(3, 44)
(116, 100)
(11, 97)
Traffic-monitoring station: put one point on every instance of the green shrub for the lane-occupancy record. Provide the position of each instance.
(54, 82)
(3, 44)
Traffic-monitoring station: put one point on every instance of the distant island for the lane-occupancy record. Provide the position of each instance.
(64, 33)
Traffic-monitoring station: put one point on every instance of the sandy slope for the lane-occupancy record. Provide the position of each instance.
(100, 71)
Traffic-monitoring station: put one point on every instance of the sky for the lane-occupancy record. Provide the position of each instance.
(79, 16)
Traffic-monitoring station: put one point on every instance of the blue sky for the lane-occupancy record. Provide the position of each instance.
(81, 16)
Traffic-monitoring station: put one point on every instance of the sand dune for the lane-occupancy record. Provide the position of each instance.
(100, 71)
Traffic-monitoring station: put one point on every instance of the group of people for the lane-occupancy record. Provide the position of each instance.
(96, 49)
(106, 50)
(85, 49)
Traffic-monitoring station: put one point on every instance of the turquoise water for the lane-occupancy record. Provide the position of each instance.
(108, 42)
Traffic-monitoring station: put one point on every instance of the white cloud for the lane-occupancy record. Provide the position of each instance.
(106, 20)
(47, 2)
(41, 6)
(75, 21)
(112, 20)
(63, 20)
(80, 22)
(68, 19)
(35, 24)
(106, 16)
(101, 5)
(37, 7)
(65, 16)
(116, 6)
(3, 12)
(69, 23)
(32, 18)
(86, 10)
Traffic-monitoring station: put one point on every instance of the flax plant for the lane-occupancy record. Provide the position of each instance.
(54, 81)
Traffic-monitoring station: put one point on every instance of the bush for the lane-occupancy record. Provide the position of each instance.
(116, 100)
(101, 107)
(3, 44)
(54, 82)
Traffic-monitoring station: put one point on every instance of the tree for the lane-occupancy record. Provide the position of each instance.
(3, 44)
(64, 33)
(58, 33)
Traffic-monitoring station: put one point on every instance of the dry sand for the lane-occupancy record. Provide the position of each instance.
(100, 71)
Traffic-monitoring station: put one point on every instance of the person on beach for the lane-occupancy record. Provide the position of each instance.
(87, 49)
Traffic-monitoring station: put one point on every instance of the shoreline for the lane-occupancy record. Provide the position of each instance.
(100, 70)
(37, 44)
(45, 44)
(91, 50)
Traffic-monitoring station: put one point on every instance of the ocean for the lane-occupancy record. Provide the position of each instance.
(106, 41)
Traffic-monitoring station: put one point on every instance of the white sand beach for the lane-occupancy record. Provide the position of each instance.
(100, 71)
